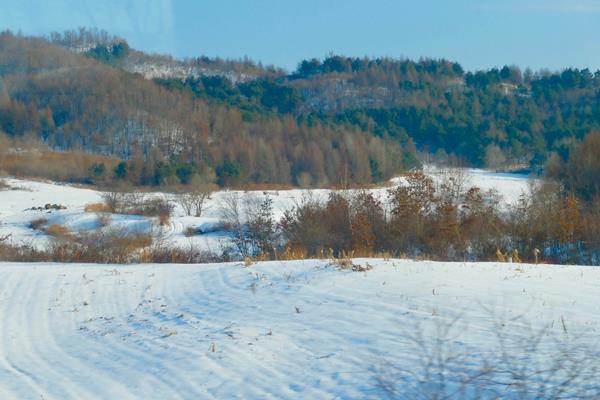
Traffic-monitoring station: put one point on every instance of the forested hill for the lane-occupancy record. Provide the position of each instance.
(498, 118)
(83, 99)
(332, 121)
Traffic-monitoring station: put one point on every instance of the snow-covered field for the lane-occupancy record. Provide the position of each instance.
(16, 204)
(301, 329)
(294, 329)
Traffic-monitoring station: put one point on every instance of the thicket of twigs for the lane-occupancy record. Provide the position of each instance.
(516, 361)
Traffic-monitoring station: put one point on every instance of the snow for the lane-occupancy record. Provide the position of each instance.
(509, 185)
(15, 205)
(298, 329)
(280, 329)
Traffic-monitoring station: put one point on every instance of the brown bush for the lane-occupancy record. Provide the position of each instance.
(97, 207)
(21, 253)
(163, 254)
(137, 203)
(117, 246)
(58, 230)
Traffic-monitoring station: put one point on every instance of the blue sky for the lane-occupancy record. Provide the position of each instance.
(550, 34)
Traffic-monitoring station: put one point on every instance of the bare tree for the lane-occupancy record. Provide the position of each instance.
(233, 219)
(192, 201)
(113, 200)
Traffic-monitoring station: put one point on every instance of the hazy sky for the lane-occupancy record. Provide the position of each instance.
(478, 33)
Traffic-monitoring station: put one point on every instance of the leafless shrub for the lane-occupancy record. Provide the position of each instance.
(103, 220)
(189, 231)
(136, 203)
(156, 207)
(192, 201)
(117, 246)
(19, 252)
(38, 223)
(233, 220)
(517, 361)
(251, 223)
(161, 252)
(113, 200)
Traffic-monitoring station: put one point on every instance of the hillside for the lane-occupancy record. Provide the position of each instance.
(499, 118)
(72, 101)
(493, 117)
(336, 121)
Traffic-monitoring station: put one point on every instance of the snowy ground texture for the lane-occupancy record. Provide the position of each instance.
(302, 329)
(296, 329)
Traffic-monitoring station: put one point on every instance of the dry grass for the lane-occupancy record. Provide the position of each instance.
(113, 246)
(59, 231)
(106, 246)
(344, 261)
(264, 187)
(96, 207)
(21, 253)
(294, 253)
(263, 257)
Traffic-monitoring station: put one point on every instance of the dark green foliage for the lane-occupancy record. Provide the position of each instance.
(578, 168)
(261, 96)
(262, 227)
(185, 172)
(310, 126)
(97, 172)
(341, 64)
(439, 106)
(375, 171)
(109, 53)
(434, 103)
(162, 172)
(230, 173)
(120, 171)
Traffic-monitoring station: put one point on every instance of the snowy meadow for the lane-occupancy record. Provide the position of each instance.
(325, 328)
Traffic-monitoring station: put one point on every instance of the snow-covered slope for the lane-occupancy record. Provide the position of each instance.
(277, 330)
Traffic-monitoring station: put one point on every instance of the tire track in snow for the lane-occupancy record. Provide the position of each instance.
(80, 351)
(22, 353)
(264, 347)
(13, 379)
(119, 295)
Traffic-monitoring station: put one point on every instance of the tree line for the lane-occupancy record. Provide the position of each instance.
(332, 121)
(498, 116)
